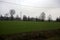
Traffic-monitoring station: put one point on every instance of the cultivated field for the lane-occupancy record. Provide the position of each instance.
(10, 27)
(29, 30)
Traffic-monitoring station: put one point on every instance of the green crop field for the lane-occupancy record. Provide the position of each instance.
(9, 27)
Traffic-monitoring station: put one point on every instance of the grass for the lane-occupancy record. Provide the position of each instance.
(9, 27)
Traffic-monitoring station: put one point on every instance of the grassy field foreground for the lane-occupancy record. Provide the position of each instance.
(9, 27)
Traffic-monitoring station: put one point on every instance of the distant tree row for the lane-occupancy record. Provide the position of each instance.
(25, 18)
(58, 19)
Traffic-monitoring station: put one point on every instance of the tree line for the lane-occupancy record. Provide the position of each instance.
(25, 18)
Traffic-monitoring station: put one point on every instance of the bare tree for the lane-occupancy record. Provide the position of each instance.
(21, 15)
(42, 16)
(1, 17)
(49, 18)
(12, 12)
(6, 16)
(25, 18)
(58, 19)
(29, 18)
(17, 17)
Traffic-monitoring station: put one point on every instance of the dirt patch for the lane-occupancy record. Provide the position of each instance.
(34, 35)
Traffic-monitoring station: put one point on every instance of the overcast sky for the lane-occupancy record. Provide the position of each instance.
(31, 8)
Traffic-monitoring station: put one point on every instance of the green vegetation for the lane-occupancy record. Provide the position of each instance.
(9, 27)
